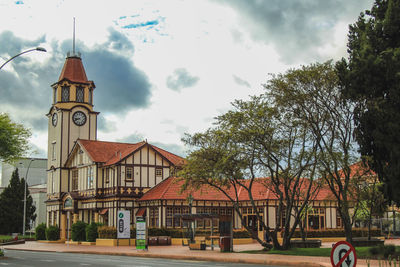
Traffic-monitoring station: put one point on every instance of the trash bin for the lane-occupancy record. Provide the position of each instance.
(164, 240)
(225, 243)
(153, 241)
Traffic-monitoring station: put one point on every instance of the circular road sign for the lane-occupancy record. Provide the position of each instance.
(343, 254)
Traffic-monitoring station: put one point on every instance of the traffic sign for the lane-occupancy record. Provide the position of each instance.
(343, 254)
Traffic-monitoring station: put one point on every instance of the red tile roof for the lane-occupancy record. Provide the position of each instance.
(74, 71)
(358, 169)
(170, 189)
(112, 152)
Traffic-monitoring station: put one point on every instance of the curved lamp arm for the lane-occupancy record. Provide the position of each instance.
(41, 49)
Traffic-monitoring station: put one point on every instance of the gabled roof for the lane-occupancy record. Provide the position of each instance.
(112, 152)
(74, 71)
(358, 169)
(170, 189)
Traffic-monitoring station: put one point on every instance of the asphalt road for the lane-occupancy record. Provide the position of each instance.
(42, 259)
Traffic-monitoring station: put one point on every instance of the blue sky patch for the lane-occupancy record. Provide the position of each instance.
(139, 25)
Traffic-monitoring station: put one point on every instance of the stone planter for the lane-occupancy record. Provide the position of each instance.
(364, 242)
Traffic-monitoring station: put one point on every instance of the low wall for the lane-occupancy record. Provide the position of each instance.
(174, 241)
(115, 242)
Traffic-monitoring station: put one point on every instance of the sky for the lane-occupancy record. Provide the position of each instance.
(161, 68)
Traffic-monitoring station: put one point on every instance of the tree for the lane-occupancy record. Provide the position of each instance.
(312, 94)
(12, 206)
(255, 139)
(13, 139)
(371, 79)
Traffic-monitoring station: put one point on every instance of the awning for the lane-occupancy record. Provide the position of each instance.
(141, 212)
(103, 211)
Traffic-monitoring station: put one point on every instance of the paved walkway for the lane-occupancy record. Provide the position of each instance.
(180, 252)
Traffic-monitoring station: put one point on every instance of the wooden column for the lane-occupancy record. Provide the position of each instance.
(96, 217)
(63, 226)
(76, 217)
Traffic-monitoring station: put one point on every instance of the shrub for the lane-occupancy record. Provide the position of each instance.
(78, 232)
(1, 252)
(388, 250)
(52, 233)
(357, 232)
(41, 231)
(91, 231)
(107, 232)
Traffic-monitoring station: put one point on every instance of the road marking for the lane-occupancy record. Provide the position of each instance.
(48, 260)
(3, 263)
(85, 264)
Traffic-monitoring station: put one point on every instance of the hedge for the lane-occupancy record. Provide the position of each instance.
(78, 231)
(91, 231)
(40, 231)
(358, 232)
(106, 232)
(52, 233)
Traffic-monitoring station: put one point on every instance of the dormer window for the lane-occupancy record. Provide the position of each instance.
(80, 96)
(65, 94)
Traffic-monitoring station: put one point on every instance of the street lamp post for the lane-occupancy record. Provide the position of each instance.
(41, 49)
(190, 200)
(26, 181)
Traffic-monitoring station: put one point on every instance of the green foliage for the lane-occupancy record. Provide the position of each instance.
(52, 233)
(371, 80)
(91, 231)
(1, 252)
(12, 206)
(384, 251)
(41, 231)
(78, 231)
(13, 139)
(337, 233)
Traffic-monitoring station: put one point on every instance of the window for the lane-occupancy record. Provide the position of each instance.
(89, 177)
(80, 157)
(80, 94)
(55, 218)
(74, 180)
(107, 175)
(55, 95)
(153, 217)
(90, 96)
(338, 219)
(65, 94)
(53, 150)
(129, 172)
(52, 182)
(171, 221)
(158, 172)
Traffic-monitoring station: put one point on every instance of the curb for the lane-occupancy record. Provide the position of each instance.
(194, 258)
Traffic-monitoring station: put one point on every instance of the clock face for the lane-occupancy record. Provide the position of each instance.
(79, 118)
(54, 119)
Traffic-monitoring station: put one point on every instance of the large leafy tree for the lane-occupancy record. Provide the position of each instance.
(312, 95)
(257, 139)
(13, 138)
(12, 206)
(371, 78)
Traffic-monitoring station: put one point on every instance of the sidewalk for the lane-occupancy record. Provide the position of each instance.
(183, 253)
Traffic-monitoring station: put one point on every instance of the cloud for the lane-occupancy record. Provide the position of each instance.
(295, 28)
(26, 83)
(240, 81)
(181, 79)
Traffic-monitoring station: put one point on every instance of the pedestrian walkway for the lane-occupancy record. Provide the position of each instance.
(183, 253)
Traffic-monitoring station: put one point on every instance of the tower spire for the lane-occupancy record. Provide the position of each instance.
(73, 39)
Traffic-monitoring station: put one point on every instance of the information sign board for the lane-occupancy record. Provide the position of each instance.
(124, 224)
(141, 233)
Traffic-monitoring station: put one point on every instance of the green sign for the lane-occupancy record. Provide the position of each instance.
(141, 233)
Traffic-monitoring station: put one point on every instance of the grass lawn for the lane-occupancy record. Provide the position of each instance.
(362, 252)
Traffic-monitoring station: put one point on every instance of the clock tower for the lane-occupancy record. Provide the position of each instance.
(71, 116)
